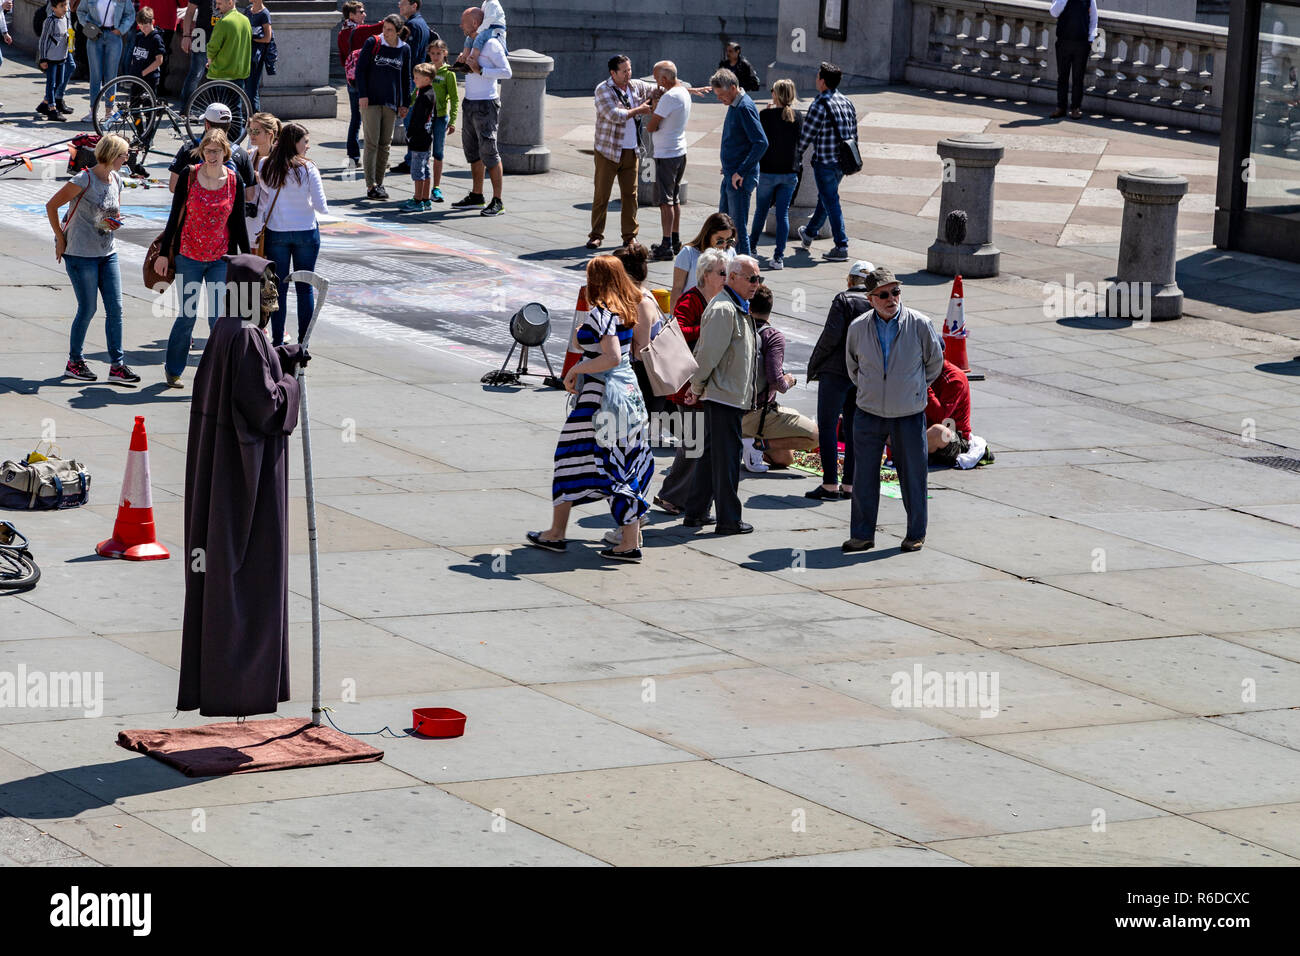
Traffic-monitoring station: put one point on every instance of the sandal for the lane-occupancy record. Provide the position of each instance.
(537, 541)
(668, 506)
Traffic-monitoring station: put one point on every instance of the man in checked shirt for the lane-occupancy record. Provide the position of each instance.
(830, 119)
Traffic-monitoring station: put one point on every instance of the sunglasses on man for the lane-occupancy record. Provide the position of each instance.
(755, 280)
(889, 294)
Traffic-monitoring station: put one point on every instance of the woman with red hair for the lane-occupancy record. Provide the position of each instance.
(596, 457)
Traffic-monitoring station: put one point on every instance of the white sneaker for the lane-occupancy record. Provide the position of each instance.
(88, 118)
(805, 240)
(614, 536)
(774, 264)
(752, 458)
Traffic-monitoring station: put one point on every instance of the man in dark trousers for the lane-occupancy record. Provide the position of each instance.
(235, 644)
(725, 387)
(892, 354)
(1076, 25)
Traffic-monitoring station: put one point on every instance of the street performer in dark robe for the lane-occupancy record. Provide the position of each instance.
(235, 648)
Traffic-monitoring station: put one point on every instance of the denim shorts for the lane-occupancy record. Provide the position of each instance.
(419, 166)
(439, 131)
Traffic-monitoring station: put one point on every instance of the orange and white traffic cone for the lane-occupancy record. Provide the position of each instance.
(134, 537)
(954, 330)
(572, 358)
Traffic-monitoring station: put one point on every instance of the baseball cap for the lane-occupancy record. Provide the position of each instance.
(862, 268)
(217, 113)
(879, 277)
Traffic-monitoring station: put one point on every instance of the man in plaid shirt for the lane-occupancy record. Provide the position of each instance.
(830, 119)
(620, 102)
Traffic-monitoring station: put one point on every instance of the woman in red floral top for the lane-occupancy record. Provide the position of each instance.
(710, 276)
(206, 223)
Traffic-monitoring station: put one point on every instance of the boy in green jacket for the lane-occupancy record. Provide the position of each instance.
(446, 105)
(230, 51)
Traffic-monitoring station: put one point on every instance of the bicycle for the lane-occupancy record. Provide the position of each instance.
(17, 567)
(128, 106)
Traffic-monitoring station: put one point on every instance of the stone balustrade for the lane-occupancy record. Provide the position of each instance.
(1145, 68)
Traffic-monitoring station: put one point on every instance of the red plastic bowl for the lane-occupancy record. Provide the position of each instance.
(437, 722)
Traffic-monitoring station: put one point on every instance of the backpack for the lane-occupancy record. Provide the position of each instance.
(81, 152)
(350, 68)
(43, 483)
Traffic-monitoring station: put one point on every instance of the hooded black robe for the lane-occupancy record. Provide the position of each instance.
(235, 649)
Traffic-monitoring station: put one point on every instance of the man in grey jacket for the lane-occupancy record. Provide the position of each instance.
(725, 386)
(892, 354)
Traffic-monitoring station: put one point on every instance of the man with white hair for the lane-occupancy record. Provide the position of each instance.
(667, 126)
(743, 144)
(726, 387)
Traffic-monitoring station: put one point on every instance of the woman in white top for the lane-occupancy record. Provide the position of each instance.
(263, 129)
(719, 232)
(290, 190)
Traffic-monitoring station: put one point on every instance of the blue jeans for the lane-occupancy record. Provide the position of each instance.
(105, 53)
(735, 203)
(253, 84)
(91, 275)
(354, 123)
(301, 247)
(191, 274)
(128, 41)
(773, 188)
(906, 438)
(828, 205)
(197, 74)
(56, 78)
(836, 396)
(69, 67)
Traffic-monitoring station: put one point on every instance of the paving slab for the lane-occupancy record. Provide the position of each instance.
(1003, 614)
(910, 854)
(715, 815)
(1192, 600)
(871, 637)
(892, 786)
(1211, 534)
(1162, 841)
(1276, 826)
(1025, 697)
(742, 711)
(406, 826)
(1185, 766)
(124, 840)
(501, 738)
(1193, 674)
(1284, 642)
(1279, 726)
(545, 645)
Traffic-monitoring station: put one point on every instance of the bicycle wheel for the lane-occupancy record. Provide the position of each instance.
(126, 105)
(17, 569)
(229, 94)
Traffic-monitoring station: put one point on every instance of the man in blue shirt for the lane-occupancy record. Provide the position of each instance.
(743, 145)
(831, 119)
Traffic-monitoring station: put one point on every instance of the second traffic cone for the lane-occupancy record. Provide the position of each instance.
(134, 537)
(954, 329)
(572, 358)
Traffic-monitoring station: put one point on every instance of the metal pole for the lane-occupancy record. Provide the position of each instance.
(321, 285)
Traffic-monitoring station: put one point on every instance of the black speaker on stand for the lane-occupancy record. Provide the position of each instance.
(529, 328)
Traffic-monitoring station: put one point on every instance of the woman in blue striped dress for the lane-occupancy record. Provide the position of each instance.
(585, 470)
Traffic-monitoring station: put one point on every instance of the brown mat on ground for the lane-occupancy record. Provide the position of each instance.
(215, 749)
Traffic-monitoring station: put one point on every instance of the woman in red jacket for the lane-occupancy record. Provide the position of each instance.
(710, 277)
(206, 223)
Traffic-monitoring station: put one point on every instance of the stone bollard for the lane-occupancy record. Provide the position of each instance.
(801, 206)
(1146, 286)
(969, 164)
(521, 134)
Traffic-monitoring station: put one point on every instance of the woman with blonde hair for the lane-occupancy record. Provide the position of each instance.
(263, 131)
(206, 223)
(85, 244)
(597, 458)
(778, 170)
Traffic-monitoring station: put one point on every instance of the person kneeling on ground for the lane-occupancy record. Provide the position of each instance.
(947, 416)
(783, 431)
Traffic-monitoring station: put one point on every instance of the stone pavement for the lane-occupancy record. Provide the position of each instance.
(1124, 571)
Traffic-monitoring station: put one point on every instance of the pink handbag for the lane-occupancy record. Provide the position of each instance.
(668, 360)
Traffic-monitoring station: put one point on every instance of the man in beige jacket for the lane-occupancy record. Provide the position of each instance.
(725, 387)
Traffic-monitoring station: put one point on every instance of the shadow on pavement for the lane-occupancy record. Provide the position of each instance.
(50, 796)
(1098, 323)
(1280, 368)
